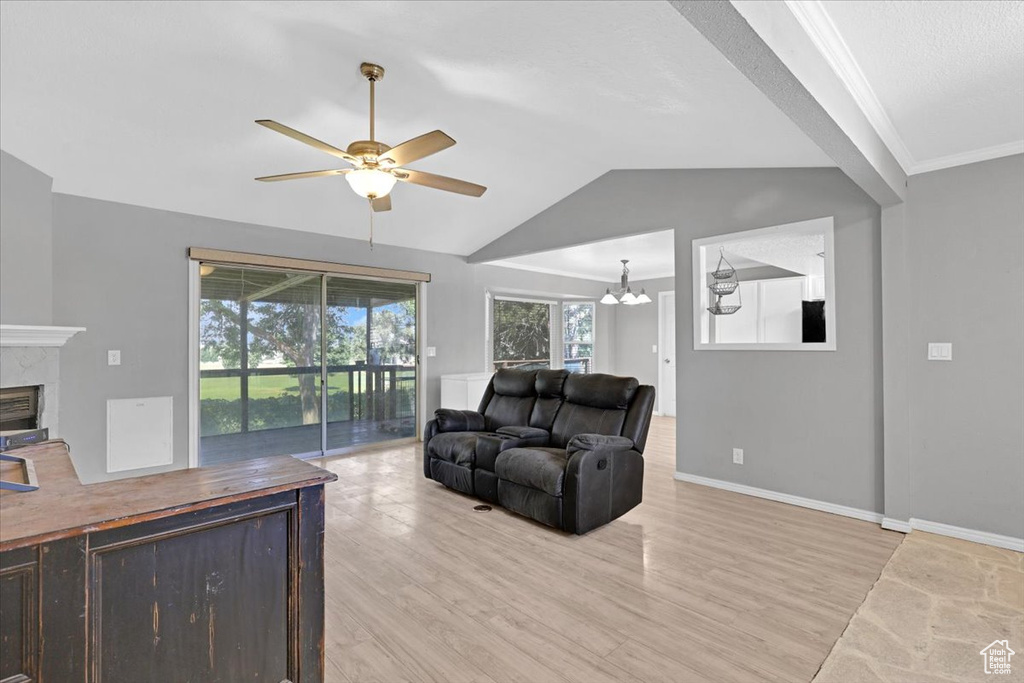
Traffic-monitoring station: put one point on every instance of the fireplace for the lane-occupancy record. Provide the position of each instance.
(19, 408)
(30, 375)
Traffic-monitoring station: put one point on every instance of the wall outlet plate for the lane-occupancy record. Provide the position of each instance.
(113, 357)
(737, 456)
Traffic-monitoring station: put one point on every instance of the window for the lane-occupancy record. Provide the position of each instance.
(769, 289)
(578, 337)
(536, 334)
(522, 334)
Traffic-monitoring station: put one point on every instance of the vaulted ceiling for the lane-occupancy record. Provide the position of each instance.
(153, 104)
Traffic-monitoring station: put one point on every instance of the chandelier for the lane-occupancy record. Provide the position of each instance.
(624, 295)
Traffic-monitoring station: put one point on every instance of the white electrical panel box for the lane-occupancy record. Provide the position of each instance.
(139, 433)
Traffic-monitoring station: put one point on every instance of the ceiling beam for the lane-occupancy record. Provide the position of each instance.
(767, 44)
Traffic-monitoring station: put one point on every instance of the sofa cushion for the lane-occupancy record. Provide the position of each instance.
(573, 419)
(538, 468)
(458, 448)
(511, 382)
(550, 382)
(600, 391)
(503, 411)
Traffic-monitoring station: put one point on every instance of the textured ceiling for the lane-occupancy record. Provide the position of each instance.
(153, 104)
(949, 75)
(795, 252)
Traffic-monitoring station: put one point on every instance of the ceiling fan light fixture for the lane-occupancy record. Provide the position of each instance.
(608, 297)
(370, 183)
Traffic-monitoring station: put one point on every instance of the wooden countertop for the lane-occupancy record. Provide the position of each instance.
(64, 507)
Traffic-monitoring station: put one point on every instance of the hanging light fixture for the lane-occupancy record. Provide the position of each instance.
(625, 295)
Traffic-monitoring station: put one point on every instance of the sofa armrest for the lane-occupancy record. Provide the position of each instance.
(597, 442)
(429, 432)
(601, 483)
(449, 420)
(531, 433)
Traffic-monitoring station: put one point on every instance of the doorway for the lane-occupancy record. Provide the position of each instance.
(667, 357)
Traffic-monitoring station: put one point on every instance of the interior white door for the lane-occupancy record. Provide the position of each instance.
(667, 355)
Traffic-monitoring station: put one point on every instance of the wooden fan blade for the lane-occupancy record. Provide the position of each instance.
(417, 148)
(303, 174)
(306, 139)
(381, 203)
(439, 182)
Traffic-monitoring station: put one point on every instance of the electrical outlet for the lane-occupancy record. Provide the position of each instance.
(737, 456)
(113, 357)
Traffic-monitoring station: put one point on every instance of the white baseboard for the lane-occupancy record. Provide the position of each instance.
(985, 537)
(833, 508)
(899, 525)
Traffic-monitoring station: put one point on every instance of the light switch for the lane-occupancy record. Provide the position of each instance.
(940, 351)
(654, 348)
(431, 351)
(113, 357)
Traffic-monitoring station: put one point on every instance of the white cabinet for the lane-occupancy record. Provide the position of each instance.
(463, 392)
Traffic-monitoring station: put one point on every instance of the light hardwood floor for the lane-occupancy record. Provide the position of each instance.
(696, 584)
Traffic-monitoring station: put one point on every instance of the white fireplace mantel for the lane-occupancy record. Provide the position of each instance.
(36, 335)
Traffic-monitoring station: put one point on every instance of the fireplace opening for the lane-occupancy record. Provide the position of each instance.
(19, 408)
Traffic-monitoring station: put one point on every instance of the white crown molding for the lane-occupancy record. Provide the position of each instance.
(823, 33)
(800, 501)
(974, 156)
(576, 274)
(814, 19)
(36, 335)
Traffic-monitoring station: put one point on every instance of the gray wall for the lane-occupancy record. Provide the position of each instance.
(121, 271)
(636, 330)
(965, 261)
(26, 236)
(810, 422)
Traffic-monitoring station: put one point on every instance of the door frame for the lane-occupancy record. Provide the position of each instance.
(661, 348)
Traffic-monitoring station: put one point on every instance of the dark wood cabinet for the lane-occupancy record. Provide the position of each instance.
(221, 588)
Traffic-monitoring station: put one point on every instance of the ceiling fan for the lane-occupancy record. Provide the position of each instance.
(378, 166)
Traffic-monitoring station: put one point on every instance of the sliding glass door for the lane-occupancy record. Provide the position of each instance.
(270, 340)
(371, 361)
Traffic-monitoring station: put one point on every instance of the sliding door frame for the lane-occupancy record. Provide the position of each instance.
(235, 260)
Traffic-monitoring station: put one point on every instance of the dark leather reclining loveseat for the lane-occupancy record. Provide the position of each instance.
(563, 449)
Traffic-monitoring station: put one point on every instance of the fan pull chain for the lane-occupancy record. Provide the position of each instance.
(369, 203)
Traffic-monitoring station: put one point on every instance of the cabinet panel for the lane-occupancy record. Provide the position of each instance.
(209, 605)
(18, 600)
